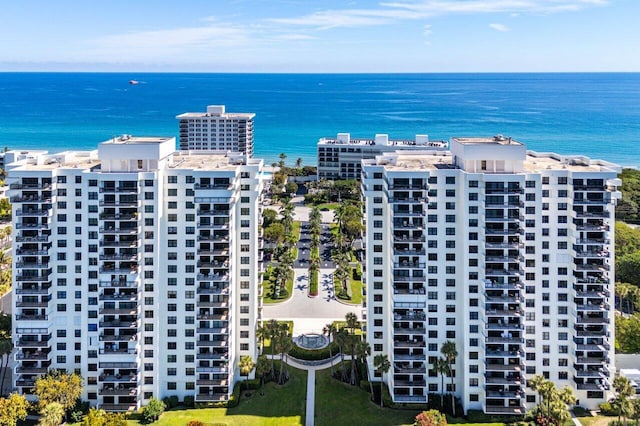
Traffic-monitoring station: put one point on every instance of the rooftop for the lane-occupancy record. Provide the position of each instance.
(420, 141)
(136, 140)
(495, 140)
(534, 161)
(216, 111)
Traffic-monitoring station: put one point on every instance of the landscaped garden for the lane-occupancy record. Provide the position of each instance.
(272, 290)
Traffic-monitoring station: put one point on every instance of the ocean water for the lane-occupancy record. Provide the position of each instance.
(597, 115)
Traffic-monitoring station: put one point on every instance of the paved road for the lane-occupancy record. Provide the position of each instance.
(310, 314)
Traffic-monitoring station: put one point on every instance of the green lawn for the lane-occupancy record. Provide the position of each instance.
(596, 420)
(313, 283)
(355, 290)
(330, 206)
(267, 287)
(341, 404)
(280, 405)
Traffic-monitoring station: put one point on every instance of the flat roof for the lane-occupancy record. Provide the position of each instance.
(134, 140)
(210, 115)
(533, 163)
(495, 140)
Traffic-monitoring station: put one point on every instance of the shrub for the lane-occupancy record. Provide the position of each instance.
(153, 410)
(607, 410)
(364, 385)
(314, 354)
(188, 401)
(196, 423)
(171, 402)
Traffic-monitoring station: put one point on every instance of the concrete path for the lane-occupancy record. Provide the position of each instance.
(310, 412)
(311, 367)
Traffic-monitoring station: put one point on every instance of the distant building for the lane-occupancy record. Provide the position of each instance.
(340, 157)
(138, 267)
(508, 253)
(217, 130)
(11, 156)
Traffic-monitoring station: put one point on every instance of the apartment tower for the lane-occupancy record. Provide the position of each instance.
(137, 267)
(341, 157)
(217, 130)
(506, 252)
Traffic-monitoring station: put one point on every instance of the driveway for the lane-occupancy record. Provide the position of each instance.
(310, 314)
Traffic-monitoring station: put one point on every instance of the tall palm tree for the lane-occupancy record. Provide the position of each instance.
(5, 352)
(450, 353)
(363, 350)
(382, 365)
(534, 383)
(352, 321)
(262, 332)
(342, 338)
(299, 163)
(52, 414)
(282, 157)
(272, 326)
(441, 367)
(262, 368)
(245, 365)
(329, 330)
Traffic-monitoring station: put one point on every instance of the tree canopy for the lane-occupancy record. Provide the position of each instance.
(58, 386)
(13, 409)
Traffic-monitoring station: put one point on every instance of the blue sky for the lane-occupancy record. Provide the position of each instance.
(320, 35)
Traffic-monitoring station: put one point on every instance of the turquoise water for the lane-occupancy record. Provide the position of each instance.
(597, 115)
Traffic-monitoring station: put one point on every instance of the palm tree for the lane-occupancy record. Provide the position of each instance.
(299, 163)
(352, 321)
(342, 338)
(283, 157)
(450, 353)
(245, 365)
(262, 368)
(5, 352)
(272, 326)
(382, 365)
(534, 383)
(262, 332)
(624, 391)
(363, 350)
(343, 274)
(441, 367)
(329, 330)
(287, 345)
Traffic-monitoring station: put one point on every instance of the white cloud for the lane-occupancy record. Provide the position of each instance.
(174, 41)
(499, 27)
(427, 32)
(327, 19)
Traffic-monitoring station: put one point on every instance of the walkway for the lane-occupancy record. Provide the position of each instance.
(311, 367)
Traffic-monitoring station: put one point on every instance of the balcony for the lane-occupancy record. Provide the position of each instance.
(118, 391)
(127, 406)
(32, 356)
(212, 343)
(510, 245)
(119, 324)
(34, 186)
(32, 289)
(591, 320)
(592, 202)
(32, 370)
(212, 304)
(407, 278)
(118, 283)
(31, 252)
(410, 239)
(131, 203)
(409, 344)
(410, 398)
(119, 190)
(118, 351)
(504, 339)
(33, 212)
(509, 380)
(117, 378)
(213, 290)
(32, 265)
(599, 347)
(122, 217)
(32, 304)
(504, 367)
(30, 199)
(34, 278)
(409, 357)
(24, 343)
(409, 383)
(31, 317)
(507, 231)
(504, 313)
(213, 277)
(496, 409)
(603, 214)
(120, 231)
(420, 316)
(214, 186)
(406, 200)
(32, 239)
(129, 244)
(409, 265)
(212, 382)
(213, 212)
(212, 356)
(408, 331)
(34, 226)
(218, 397)
(121, 257)
(118, 338)
(405, 291)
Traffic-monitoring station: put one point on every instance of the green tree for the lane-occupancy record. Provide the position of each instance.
(262, 368)
(152, 411)
(431, 418)
(622, 402)
(363, 351)
(14, 408)
(553, 407)
(58, 386)
(627, 239)
(382, 365)
(628, 268)
(299, 163)
(628, 333)
(636, 410)
(5, 352)
(274, 233)
(450, 353)
(269, 216)
(441, 367)
(245, 365)
(51, 414)
(291, 187)
(329, 330)
(352, 321)
(282, 157)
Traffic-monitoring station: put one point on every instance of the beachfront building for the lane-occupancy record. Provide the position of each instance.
(506, 252)
(217, 130)
(11, 156)
(137, 267)
(341, 157)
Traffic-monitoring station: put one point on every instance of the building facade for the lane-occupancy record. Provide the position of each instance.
(137, 267)
(216, 130)
(340, 157)
(506, 252)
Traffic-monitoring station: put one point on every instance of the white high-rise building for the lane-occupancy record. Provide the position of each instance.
(341, 157)
(137, 267)
(217, 130)
(508, 253)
